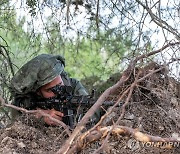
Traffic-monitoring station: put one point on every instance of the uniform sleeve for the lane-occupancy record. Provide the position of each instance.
(78, 88)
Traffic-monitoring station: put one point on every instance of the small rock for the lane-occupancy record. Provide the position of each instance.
(109, 118)
(129, 116)
(127, 123)
(21, 145)
(161, 128)
(7, 151)
(34, 144)
(5, 140)
(174, 101)
(176, 136)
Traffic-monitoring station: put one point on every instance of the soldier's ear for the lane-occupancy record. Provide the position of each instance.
(38, 92)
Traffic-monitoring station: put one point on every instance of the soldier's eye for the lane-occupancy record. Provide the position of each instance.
(48, 90)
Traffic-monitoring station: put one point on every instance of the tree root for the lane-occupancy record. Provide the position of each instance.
(101, 132)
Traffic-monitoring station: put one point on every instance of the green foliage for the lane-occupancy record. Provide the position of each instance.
(32, 5)
(97, 53)
(87, 57)
(84, 58)
(21, 44)
(98, 57)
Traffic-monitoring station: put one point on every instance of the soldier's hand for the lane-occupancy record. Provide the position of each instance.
(53, 113)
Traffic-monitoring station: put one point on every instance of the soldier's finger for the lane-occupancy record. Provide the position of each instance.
(50, 122)
(57, 117)
(58, 113)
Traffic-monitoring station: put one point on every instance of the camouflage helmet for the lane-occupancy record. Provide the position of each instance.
(36, 73)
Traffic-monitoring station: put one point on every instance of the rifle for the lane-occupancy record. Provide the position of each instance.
(67, 103)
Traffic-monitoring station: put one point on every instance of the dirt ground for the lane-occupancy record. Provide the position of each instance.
(154, 109)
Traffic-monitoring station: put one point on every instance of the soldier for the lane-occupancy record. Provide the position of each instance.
(34, 81)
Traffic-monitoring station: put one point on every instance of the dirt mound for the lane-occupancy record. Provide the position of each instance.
(154, 109)
(27, 135)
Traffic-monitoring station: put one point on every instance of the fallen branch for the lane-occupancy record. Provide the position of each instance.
(99, 133)
(122, 111)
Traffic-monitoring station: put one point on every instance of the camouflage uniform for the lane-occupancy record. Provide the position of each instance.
(36, 73)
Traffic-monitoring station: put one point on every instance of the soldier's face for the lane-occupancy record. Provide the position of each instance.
(45, 90)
